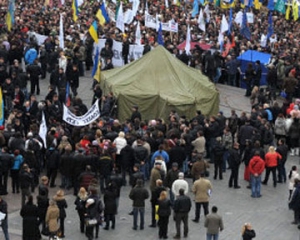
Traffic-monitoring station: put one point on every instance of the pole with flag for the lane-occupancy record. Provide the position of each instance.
(43, 129)
(138, 36)
(230, 21)
(93, 30)
(120, 18)
(2, 119)
(280, 6)
(75, 10)
(295, 8)
(224, 24)
(288, 11)
(188, 41)
(244, 29)
(270, 25)
(195, 8)
(160, 39)
(102, 15)
(96, 61)
(201, 21)
(271, 5)
(68, 99)
(61, 33)
(10, 16)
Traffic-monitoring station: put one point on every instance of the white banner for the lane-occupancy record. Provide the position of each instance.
(92, 114)
(135, 51)
(151, 22)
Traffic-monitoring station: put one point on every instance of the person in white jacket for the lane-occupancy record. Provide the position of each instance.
(180, 183)
(292, 176)
(120, 142)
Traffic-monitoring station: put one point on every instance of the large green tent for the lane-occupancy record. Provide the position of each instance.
(158, 83)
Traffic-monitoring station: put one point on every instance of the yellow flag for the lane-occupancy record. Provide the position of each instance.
(97, 75)
(257, 4)
(295, 10)
(287, 13)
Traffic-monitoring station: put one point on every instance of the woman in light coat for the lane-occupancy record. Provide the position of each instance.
(52, 216)
(280, 127)
(120, 142)
(292, 176)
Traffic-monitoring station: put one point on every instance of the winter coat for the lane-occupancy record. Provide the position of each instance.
(280, 126)
(127, 154)
(66, 164)
(295, 200)
(6, 161)
(199, 144)
(62, 205)
(234, 158)
(52, 216)
(80, 205)
(295, 175)
(198, 168)
(271, 159)
(120, 144)
(105, 165)
(155, 175)
(201, 188)
(256, 165)
(248, 234)
(164, 208)
(43, 204)
(52, 158)
(213, 223)
(110, 205)
(138, 195)
(85, 179)
(294, 130)
(29, 213)
(30, 56)
(171, 177)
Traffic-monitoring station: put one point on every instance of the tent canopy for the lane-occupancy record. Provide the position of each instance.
(252, 56)
(159, 83)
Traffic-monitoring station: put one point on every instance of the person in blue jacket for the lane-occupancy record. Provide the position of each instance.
(30, 55)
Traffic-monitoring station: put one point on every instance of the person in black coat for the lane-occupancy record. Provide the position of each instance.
(127, 161)
(52, 159)
(125, 50)
(6, 163)
(80, 207)
(282, 149)
(62, 205)
(164, 212)
(78, 167)
(94, 208)
(65, 167)
(34, 70)
(43, 204)
(248, 233)
(294, 204)
(26, 182)
(73, 79)
(105, 166)
(110, 206)
(219, 151)
(29, 213)
(234, 164)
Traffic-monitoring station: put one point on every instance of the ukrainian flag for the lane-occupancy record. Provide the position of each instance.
(288, 11)
(1, 108)
(227, 5)
(93, 31)
(10, 17)
(102, 15)
(96, 71)
(295, 10)
(75, 10)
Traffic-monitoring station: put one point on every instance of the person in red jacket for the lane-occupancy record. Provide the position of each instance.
(272, 157)
(256, 168)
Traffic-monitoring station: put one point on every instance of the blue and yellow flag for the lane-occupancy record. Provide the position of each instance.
(93, 30)
(10, 16)
(288, 12)
(1, 108)
(75, 10)
(227, 5)
(102, 15)
(257, 4)
(295, 10)
(96, 71)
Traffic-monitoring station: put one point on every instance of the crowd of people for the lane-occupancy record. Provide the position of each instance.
(108, 154)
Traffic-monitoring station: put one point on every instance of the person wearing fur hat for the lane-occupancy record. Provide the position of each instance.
(62, 205)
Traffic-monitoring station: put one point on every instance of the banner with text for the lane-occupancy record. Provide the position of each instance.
(152, 22)
(92, 115)
(135, 52)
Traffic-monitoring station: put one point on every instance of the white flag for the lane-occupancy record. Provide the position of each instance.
(138, 36)
(43, 130)
(62, 2)
(263, 40)
(135, 6)
(167, 3)
(120, 18)
(207, 11)
(239, 18)
(201, 21)
(61, 33)
(146, 8)
(224, 24)
(220, 38)
(188, 41)
(80, 2)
